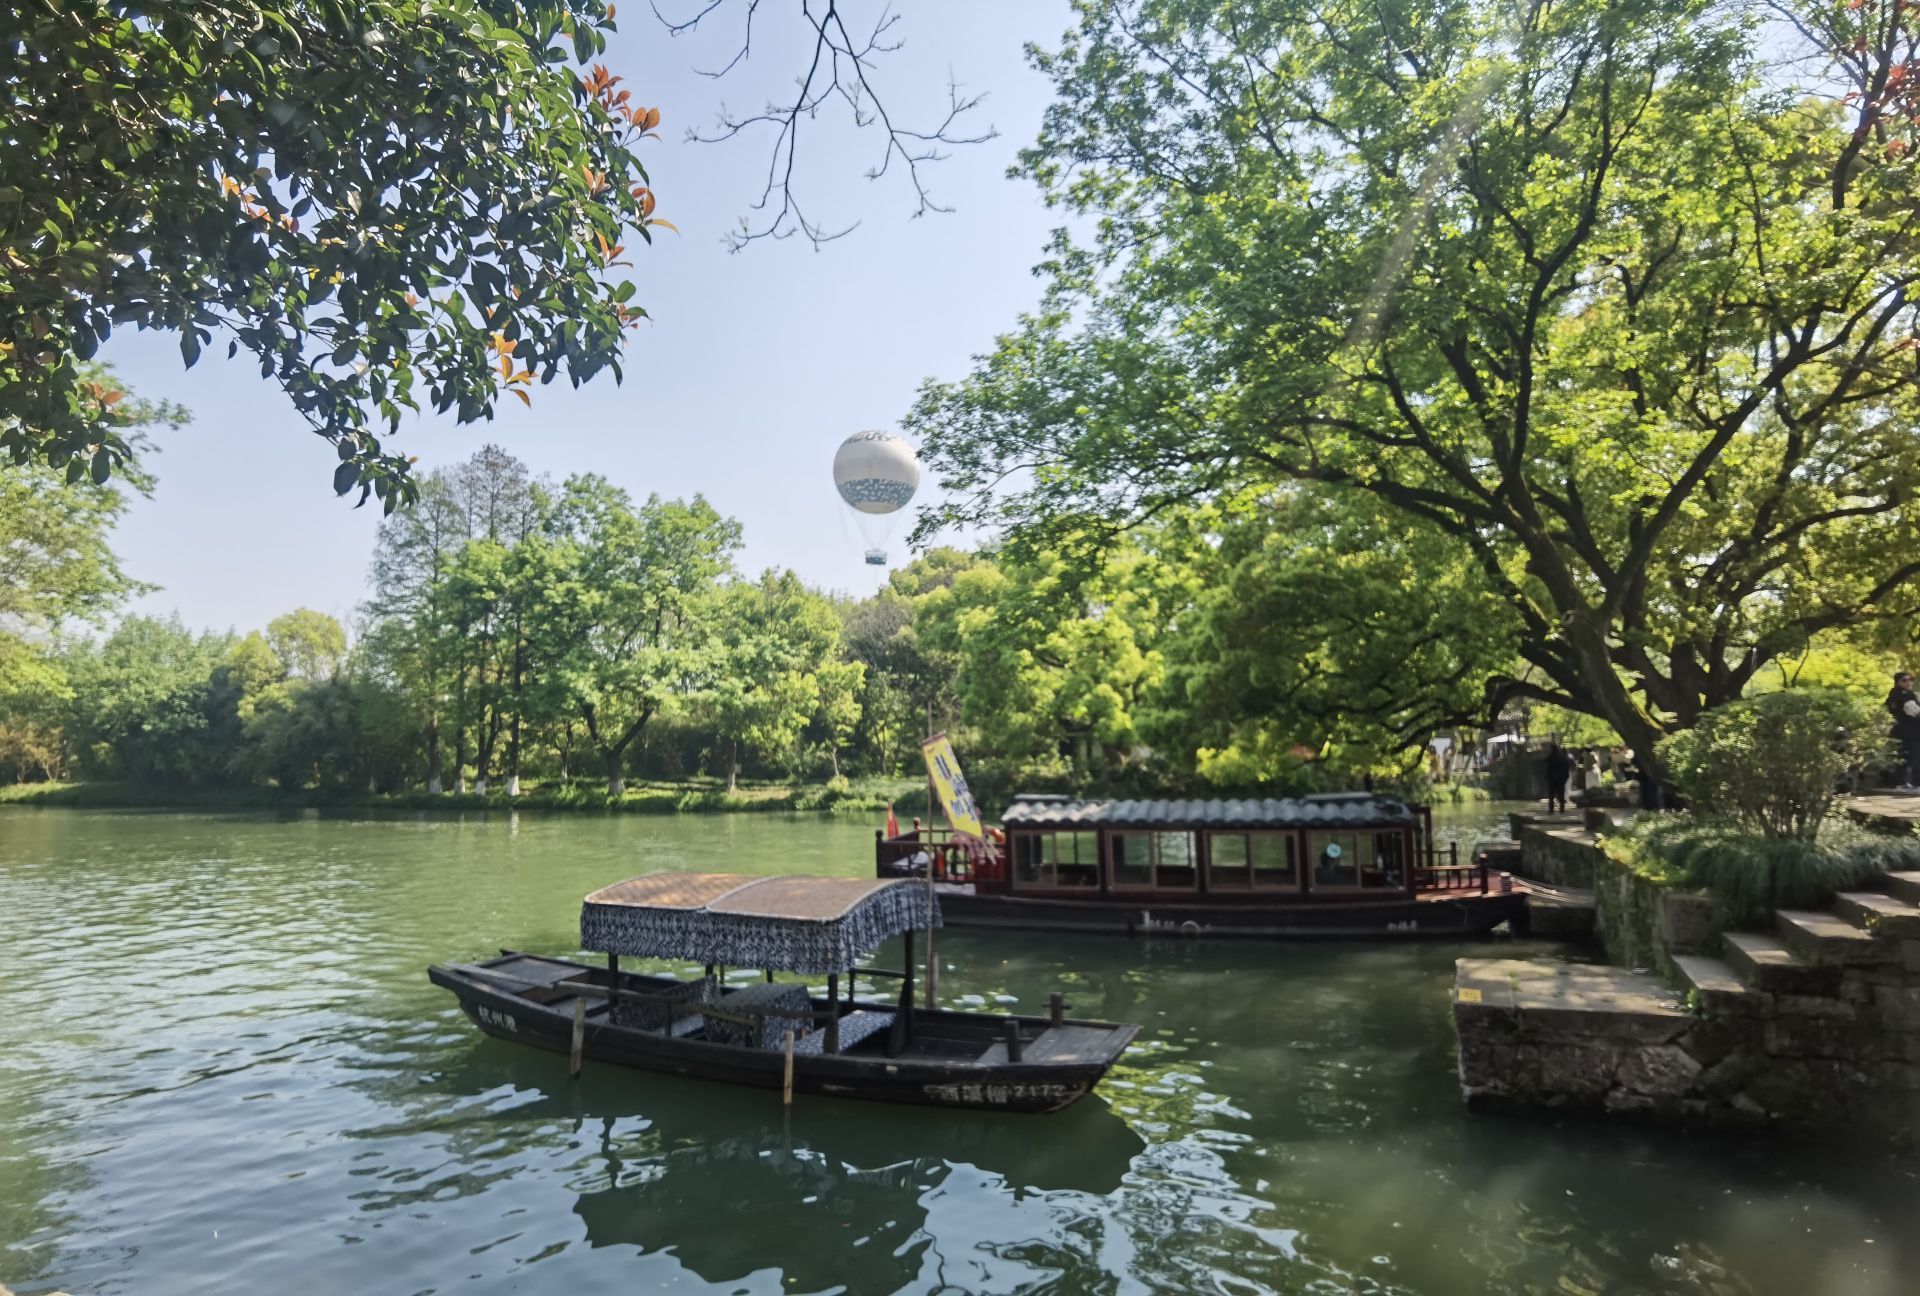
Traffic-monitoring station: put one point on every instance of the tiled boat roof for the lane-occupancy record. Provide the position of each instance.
(1335, 810)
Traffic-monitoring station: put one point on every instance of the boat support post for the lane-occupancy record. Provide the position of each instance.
(579, 1034)
(906, 989)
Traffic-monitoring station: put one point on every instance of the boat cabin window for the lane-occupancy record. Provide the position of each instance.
(1164, 860)
(1251, 861)
(1056, 859)
(1346, 861)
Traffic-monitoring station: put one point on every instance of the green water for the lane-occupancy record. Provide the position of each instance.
(222, 1070)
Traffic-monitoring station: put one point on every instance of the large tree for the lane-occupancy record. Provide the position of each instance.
(390, 203)
(1592, 292)
(771, 639)
(57, 569)
(615, 595)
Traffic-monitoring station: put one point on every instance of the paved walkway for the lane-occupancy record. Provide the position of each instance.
(1887, 809)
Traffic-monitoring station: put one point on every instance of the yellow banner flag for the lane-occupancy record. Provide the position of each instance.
(943, 767)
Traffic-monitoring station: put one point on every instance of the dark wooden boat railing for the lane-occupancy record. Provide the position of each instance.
(1453, 875)
(955, 859)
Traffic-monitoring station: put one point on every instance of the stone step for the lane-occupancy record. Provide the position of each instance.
(1823, 939)
(1720, 991)
(1879, 915)
(1904, 886)
(1765, 963)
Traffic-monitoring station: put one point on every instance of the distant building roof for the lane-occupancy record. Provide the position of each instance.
(1326, 810)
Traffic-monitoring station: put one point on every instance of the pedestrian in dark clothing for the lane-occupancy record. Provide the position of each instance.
(1904, 707)
(1559, 770)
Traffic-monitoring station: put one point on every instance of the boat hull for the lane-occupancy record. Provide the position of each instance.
(1451, 917)
(1027, 1086)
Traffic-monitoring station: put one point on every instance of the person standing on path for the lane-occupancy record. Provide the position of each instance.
(1559, 768)
(1904, 707)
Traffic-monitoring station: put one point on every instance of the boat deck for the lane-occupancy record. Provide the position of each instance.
(937, 1035)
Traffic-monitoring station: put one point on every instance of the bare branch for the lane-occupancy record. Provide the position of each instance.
(839, 71)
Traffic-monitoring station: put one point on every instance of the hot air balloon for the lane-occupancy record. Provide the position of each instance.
(876, 473)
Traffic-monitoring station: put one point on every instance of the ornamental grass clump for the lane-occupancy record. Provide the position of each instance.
(1751, 875)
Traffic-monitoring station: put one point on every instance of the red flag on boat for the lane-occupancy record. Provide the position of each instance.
(893, 822)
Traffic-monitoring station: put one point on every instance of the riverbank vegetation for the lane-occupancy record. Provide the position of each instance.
(554, 640)
(1761, 778)
(1408, 374)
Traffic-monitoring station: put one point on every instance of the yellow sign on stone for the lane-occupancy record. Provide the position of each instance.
(950, 785)
(1469, 995)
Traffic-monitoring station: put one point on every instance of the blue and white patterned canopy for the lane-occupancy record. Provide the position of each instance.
(876, 472)
(808, 925)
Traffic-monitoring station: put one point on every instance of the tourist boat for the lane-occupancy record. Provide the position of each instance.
(1331, 865)
(778, 1034)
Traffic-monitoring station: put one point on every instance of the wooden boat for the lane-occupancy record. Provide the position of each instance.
(1334, 865)
(778, 1034)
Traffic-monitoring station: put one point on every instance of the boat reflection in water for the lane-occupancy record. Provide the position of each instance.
(672, 1166)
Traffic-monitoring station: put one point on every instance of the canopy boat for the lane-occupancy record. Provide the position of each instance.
(1342, 864)
(775, 1034)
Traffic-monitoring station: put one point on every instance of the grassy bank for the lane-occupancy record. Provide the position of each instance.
(859, 796)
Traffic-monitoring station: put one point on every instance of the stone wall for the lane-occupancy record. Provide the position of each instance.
(1577, 1036)
(1812, 1044)
(1815, 1023)
(1560, 856)
(1641, 924)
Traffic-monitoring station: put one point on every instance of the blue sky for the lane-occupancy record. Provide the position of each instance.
(757, 363)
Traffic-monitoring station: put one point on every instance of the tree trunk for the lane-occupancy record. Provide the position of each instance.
(460, 761)
(483, 758)
(614, 753)
(566, 753)
(434, 784)
(733, 768)
(833, 758)
(513, 727)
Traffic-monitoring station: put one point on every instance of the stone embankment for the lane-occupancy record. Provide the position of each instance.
(1814, 1023)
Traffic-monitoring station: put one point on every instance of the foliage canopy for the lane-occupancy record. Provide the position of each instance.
(390, 203)
(1586, 292)
(1773, 762)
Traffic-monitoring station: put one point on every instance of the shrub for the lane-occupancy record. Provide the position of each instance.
(1751, 874)
(1773, 762)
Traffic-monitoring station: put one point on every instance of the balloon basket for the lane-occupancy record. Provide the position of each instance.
(876, 557)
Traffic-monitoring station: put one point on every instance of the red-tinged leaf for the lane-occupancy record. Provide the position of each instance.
(524, 398)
